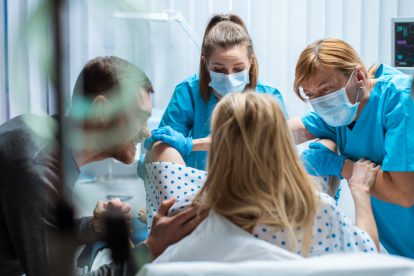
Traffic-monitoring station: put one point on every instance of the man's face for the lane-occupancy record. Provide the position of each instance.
(134, 123)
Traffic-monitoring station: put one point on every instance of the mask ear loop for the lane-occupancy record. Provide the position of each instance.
(358, 89)
(350, 77)
(356, 99)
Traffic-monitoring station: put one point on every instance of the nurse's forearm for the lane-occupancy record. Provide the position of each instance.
(201, 144)
(394, 187)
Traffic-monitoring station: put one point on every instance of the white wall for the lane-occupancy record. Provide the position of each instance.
(280, 30)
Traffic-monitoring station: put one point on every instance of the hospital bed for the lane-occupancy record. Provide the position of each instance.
(338, 264)
(225, 249)
(218, 247)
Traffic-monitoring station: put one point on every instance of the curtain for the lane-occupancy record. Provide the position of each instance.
(280, 30)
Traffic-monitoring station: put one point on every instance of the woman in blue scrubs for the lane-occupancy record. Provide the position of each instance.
(369, 115)
(227, 65)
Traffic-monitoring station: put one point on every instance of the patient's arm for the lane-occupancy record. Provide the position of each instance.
(363, 176)
(360, 183)
(168, 226)
(329, 144)
(166, 180)
(333, 180)
(161, 152)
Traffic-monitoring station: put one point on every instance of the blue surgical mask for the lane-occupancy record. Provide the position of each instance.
(335, 108)
(226, 84)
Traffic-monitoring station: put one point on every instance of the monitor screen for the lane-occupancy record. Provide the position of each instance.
(404, 43)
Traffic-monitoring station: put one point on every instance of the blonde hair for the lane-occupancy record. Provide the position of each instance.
(254, 173)
(329, 52)
(225, 31)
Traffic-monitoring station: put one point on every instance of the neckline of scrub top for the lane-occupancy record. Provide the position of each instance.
(363, 114)
(378, 74)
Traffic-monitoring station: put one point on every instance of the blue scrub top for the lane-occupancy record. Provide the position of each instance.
(189, 114)
(384, 133)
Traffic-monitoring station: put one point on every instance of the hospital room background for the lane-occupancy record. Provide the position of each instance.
(163, 38)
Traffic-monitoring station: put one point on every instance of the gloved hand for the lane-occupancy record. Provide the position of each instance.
(184, 145)
(319, 160)
(141, 170)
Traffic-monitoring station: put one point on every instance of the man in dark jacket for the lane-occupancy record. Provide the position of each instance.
(110, 107)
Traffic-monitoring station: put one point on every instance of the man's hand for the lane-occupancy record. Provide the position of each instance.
(168, 230)
(102, 208)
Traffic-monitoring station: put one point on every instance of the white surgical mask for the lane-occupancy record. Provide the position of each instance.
(226, 84)
(335, 108)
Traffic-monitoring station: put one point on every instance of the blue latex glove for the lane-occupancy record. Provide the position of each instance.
(141, 170)
(319, 160)
(149, 142)
(184, 145)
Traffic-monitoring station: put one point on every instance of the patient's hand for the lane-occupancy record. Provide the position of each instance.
(363, 176)
(102, 208)
(167, 230)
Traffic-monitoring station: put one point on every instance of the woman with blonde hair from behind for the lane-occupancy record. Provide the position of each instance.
(256, 181)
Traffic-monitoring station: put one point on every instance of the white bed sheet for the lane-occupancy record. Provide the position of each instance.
(218, 247)
(355, 264)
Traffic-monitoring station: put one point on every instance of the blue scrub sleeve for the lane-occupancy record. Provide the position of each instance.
(279, 98)
(386, 70)
(266, 89)
(399, 132)
(315, 125)
(180, 111)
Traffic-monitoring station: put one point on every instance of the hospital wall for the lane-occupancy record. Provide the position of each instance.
(280, 30)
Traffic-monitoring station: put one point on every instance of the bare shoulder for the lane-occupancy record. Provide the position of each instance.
(161, 152)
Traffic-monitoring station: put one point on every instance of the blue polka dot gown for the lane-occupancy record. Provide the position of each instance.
(332, 230)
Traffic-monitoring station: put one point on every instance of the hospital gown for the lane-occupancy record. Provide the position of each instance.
(332, 230)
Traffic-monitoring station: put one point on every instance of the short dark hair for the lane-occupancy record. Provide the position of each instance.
(106, 76)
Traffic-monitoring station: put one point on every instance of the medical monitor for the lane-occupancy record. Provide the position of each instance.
(403, 44)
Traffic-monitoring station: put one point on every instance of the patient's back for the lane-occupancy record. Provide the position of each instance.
(332, 230)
